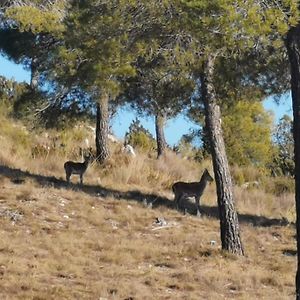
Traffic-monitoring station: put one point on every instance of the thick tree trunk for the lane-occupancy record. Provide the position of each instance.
(230, 231)
(102, 129)
(293, 48)
(160, 136)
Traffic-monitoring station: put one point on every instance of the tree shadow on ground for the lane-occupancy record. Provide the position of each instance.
(19, 176)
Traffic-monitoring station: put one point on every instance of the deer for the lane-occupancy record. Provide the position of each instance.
(191, 189)
(77, 168)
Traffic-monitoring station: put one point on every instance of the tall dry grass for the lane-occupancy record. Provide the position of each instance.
(148, 172)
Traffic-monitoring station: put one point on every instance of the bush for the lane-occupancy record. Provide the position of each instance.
(138, 136)
(187, 150)
(16, 133)
(238, 176)
(279, 185)
(242, 175)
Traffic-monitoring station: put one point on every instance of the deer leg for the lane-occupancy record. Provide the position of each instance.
(68, 177)
(176, 199)
(180, 206)
(198, 206)
(81, 178)
(179, 202)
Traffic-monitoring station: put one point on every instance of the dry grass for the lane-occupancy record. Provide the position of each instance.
(66, 244)
(100, 241)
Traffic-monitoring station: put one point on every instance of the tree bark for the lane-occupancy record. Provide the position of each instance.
(230, 231)
(160, 135)
(102, 129)
(293, 48)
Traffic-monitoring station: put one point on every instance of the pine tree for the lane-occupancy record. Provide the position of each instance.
(97, 54)
(159, 88)
(222, 30)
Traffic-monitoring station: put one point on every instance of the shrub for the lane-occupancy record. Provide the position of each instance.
(187, 150)
(279, 185)
(242, 175)
(138, 136)
(15, 133)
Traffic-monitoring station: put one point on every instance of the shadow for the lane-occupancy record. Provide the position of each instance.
(18, 176)
(289, 252)
(213, 212)
(253, 220)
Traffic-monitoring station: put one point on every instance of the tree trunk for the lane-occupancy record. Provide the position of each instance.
(230, 232)
(102, 129)
(293, 48)
(160, 136)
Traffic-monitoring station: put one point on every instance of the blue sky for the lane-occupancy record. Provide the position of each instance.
(175, 128)
(283, 108)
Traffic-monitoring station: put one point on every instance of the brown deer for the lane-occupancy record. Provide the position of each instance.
(77, 168)
(191, 189)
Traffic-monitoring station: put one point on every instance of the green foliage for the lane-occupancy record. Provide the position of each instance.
(33, 107)
(30, 34)
(36, 20)
(234, 26)
(247, 134)
(234, 32)
(283, 161)
(162, 84)
(13, 132)
(56, 118)
(231, 33)
(5, 96)
(186, 148)
(138, 136)
(16, 45)
(27, 104)
(96, 52)
(72, 135)
(10, 93)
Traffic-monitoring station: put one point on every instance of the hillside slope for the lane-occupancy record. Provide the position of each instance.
(60, 242)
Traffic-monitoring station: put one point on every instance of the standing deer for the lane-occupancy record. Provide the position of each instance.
(191, 189)
(77, 168)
